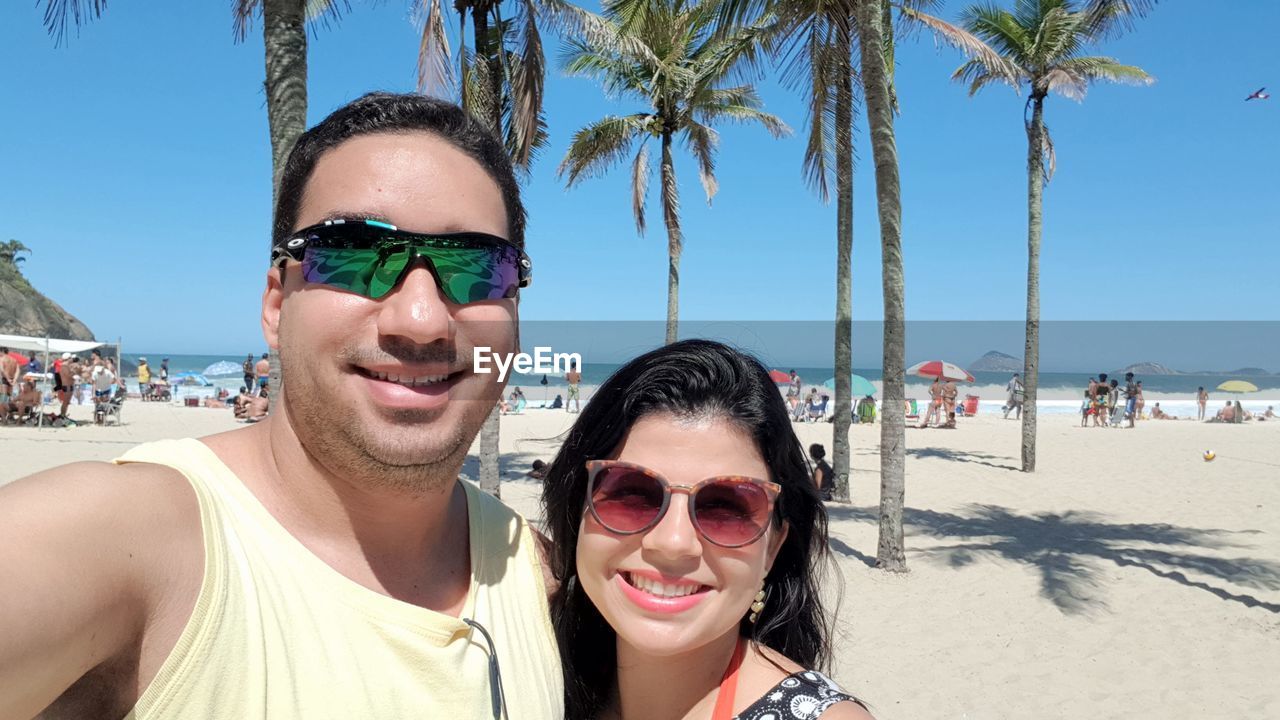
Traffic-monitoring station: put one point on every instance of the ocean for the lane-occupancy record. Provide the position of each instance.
(1059, 392)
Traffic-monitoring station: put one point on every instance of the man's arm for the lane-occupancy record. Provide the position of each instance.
(80, 550)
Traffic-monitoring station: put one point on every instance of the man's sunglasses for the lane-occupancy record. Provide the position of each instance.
(370, 258)
(730, 511)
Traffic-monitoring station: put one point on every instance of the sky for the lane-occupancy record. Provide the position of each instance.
(135, 162)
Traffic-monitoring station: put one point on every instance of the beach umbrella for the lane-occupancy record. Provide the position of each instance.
(940, 368)
(190, 378)
(779, 377)
(860, 386)
(19, 358)
(1238, 386)
(223, 367)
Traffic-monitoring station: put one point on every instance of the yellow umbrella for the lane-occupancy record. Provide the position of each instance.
(1238, 386)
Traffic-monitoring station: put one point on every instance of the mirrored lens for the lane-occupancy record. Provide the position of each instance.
(466, 275)
(625, 500)
(352, 269)
(731, 513)
(473, 274)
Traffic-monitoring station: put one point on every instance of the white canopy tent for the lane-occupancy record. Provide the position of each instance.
(51, 347)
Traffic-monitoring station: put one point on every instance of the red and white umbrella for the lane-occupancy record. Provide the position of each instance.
(940, 368)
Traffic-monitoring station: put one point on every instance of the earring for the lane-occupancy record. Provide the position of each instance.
(757, 606)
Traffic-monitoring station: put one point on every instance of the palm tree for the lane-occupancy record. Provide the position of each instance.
(1039, 44)
(667, 54)
(10, 253)
(875, 31)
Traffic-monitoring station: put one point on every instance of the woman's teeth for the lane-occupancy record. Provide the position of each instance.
(653, 587)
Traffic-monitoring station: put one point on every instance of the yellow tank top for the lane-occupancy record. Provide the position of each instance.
(277, 633)
(144, 374)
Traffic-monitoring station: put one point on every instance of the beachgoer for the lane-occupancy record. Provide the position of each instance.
(10, 371)
(1141, 401)
(793, 390)
(1086, 409)
(62, 379)
(558, 402)
(688, 542)
(949, 393)
(144, 378)
(1113, 399)
(866, 410)
(538, 470)
(1270, 413)
(1130, 399)
(1226, 414)
(247, 368)
(164, 371)
(95, 358)
(326, 562)
(262, 369)
(1202, 401)
(1102, 396)
(1014, 400)
(1159, 414)
(935, 404)
(29, 399)
(34, 366)
(823, 476)
(574, 378)
(102, 379)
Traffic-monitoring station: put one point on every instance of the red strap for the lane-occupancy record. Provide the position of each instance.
(729, 685)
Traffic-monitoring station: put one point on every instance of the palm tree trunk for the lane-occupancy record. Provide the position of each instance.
(1035, 192)
(671, 215)
(844, 262)
(284, 36)
(890, 552)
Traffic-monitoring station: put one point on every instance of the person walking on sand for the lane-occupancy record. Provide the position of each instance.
(262, 369)
(10, 373)
(1141, 400)
(247, 366)
(1202, 402)
(574, 378)
(144, 378)
(1015, 394)
(327, 561)
(1113, 399)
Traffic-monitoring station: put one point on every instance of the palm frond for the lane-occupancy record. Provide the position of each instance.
(242, 14)
(1057, 36)
(1000, 29)
(743, 114)
(599, 146)
(526, 85)
(324, 12)
(820, 147)
(1106, 68)
(1109, 18)
(976, 76)
(640, 185)
(618, 76)
(969, 44)
(1050, 165)
(701, 142)
(435, 66)
(58, 13)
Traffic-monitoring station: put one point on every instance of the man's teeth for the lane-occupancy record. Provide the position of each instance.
(409, 381)
(653, 587)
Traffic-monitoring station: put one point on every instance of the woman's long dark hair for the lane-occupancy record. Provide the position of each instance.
(691, 378)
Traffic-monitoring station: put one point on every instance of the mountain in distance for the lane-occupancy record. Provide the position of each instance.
(1249, 372)
(1148, 368)
(996, 362)
(24, 311)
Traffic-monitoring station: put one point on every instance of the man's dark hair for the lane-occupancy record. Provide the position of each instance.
(381, 112)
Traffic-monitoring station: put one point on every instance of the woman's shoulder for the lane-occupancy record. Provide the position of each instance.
(787, 691)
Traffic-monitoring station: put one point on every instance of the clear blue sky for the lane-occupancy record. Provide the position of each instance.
(135, 162)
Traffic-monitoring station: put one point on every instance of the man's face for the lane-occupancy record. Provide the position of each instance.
(385, 388)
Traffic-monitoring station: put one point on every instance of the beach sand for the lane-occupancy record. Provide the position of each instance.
(1126, 578)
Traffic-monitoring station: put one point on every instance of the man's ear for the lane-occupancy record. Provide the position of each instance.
(272, 299)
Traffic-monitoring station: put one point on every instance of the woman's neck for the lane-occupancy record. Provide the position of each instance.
(671, 687)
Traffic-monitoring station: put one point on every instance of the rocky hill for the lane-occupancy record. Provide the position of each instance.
(1248, 372)
(1148, 368)
(24, 311)
(996, 362)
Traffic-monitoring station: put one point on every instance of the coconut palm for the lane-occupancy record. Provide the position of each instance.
(10, 253)
(1039, 45)
(668, 55)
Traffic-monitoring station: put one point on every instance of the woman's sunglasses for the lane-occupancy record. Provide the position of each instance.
(370, 258)
(730, 511)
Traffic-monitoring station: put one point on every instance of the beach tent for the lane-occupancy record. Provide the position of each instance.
(51, 347)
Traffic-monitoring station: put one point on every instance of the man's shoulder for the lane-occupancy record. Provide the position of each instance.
(104, 493)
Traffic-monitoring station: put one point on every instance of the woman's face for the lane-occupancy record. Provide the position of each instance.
(631, 578)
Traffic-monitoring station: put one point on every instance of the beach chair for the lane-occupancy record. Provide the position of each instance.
(110, 409)
(818, 411)
(913, 411)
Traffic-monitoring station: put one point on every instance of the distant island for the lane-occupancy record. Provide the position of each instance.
(996, 362)
(1148, 368)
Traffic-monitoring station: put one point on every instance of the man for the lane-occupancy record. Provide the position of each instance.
(326, 562)
(1130, 399)
(28, 400)
(103, 379)
(248, 370)
(793, 390)
(33, 364)
(935, 404)
(144, 378)
(1102, 404)
(9, 375)
(64, 382)
(1015, 393)
(574, 378)
(263, 370)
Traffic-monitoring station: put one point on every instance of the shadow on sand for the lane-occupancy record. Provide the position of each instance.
(1071, 551)
(965, 456)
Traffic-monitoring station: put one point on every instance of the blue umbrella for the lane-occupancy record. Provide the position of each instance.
(190, 378)
(860, 386)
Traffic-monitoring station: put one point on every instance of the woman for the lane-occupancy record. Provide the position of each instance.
(667, 612)
(823, 478)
